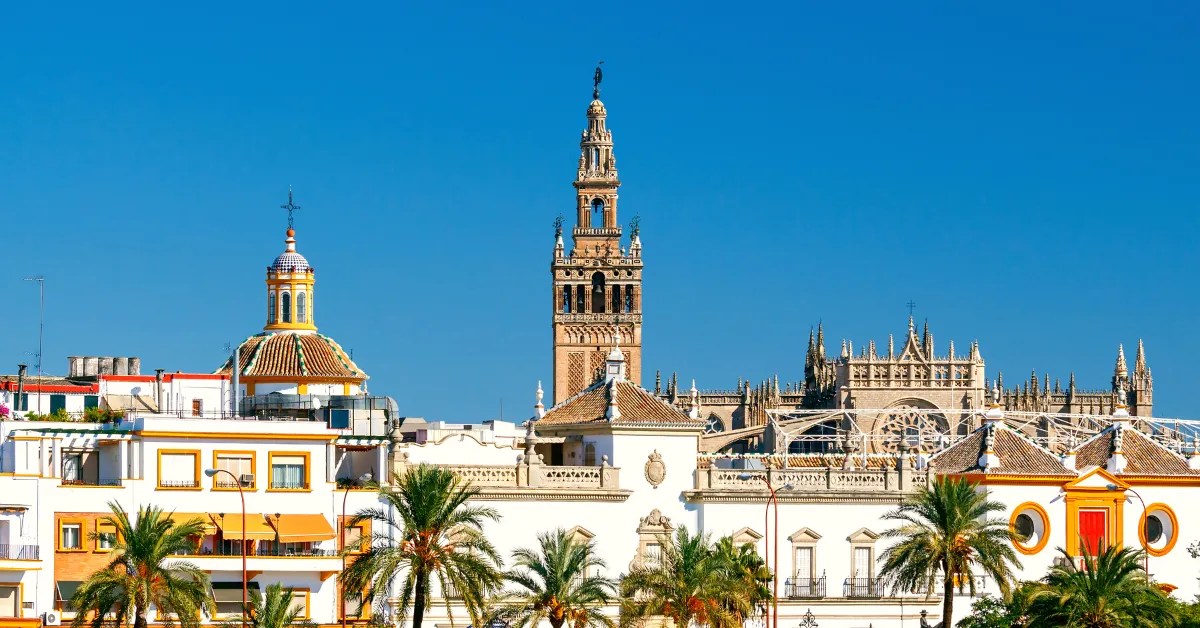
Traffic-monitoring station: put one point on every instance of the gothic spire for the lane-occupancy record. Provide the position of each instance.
(1121, 370)
(1139, 365)
(821, 341)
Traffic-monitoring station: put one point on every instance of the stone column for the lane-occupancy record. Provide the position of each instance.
(56, 458)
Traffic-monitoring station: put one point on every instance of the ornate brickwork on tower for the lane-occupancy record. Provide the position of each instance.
(598, 283)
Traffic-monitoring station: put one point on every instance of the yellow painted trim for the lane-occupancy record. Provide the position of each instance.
(1174, 529)
(345, 388)
(237, 436)
(88, 486)
(1113, 505)
(307, 471)
(82, 535)
(236, 452)
(252, 556)
(249, 388)
(22, 475)
(1012, 525)
(26, 438)
(302, 389)
(20, 598)
(195, 470)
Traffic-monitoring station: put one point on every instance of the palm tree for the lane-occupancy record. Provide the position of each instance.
(748, 572)
(1109, 591)
(138, 576)
(945, 532)
(555, 585)
(435, 535)
(686, 583)
(273, 610)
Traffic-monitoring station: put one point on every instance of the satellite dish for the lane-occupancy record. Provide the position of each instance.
(137, 390)
(316, 403)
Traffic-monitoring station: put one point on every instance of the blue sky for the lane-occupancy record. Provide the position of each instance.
(1026, 175)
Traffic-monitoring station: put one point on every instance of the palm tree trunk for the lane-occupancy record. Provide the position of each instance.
(948, 603)
(139, 618)
(419, 598)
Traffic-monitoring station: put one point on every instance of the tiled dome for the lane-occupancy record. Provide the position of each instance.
(289, 260)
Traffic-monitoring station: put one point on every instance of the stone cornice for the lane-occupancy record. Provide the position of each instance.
(723, 496)
(523, 494)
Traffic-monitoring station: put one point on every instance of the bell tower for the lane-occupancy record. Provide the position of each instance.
(598, 283)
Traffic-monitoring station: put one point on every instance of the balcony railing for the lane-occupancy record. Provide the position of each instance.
(179, 484)
(535, 474)
(19, 552)
(259, 552)
(299, 485)
(90, 482)
(804, 588)
(863, 588)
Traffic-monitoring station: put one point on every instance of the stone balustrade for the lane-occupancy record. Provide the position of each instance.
(890, 482)
(532, 473)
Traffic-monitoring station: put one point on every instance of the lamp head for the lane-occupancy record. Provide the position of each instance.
(366, 477)
(210, 472)
(1112, 487)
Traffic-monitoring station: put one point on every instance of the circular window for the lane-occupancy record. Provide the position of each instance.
(1154, 529)
(1030, 528)
(1024, 527)
(1158, 529)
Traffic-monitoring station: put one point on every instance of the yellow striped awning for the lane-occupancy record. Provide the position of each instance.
(256, 527)
(302, 528)
(180, 518)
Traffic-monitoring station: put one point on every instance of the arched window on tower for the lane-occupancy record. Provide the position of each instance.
(287, 307)
(598, 207)
(616, 299)
(597, 293)
(580, 298)
(596, 159)
(628, 299)
(301, 308)
(566, 304)
(271, 309)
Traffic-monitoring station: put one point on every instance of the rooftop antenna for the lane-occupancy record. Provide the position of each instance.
(41, 280)
(290, 207)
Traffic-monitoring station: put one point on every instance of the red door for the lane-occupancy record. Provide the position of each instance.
(1092, 530)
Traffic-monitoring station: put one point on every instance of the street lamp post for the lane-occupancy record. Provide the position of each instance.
(773, 609)
(1141, 528)
(210, 473)
(364, 478)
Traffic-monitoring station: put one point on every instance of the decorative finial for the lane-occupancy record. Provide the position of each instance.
(599, 76)
(995, 394)
(910, 305)
(1121, 396)
(635, 226)
(558, 223)
(290, 207)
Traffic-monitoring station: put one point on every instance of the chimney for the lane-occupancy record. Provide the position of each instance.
(135, 366)
(20, 386)
(91, 366)
(158, 381)
(120, 366)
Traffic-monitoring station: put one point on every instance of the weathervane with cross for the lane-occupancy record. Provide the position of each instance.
(910, 306)
(290, 207)
(596, 78)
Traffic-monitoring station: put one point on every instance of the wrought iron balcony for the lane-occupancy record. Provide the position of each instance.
(804, 588)
(871, 588)
(19, 552)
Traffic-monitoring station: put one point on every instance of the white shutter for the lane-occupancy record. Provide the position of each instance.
(862, 562)
(804, 562)
(237, 464)
(178, 469)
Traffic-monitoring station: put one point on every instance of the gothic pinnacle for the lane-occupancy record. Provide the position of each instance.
(1121, 369)
(1139, 364)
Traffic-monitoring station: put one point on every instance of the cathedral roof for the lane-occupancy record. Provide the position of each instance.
(294, 355)
(1143, 456)
(1017, 455)
(637, 406)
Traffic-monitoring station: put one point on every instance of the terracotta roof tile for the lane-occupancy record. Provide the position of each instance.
(1143, 456)
(294, 355)
(637, 406)
(1017, 454)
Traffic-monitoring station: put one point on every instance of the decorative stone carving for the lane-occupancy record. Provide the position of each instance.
(656, 470)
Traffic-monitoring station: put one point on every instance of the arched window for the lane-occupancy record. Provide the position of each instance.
(271, 308)
(616, 299)
(589, 455)
(566, 304)
(301, 308)
(597, 205)
(580, 295)
(595, 159)
(598, 293)
(628, 299)
(287, 307)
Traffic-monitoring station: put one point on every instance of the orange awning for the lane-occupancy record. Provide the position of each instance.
(180, 518)
(302, 528)
(256, 527)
